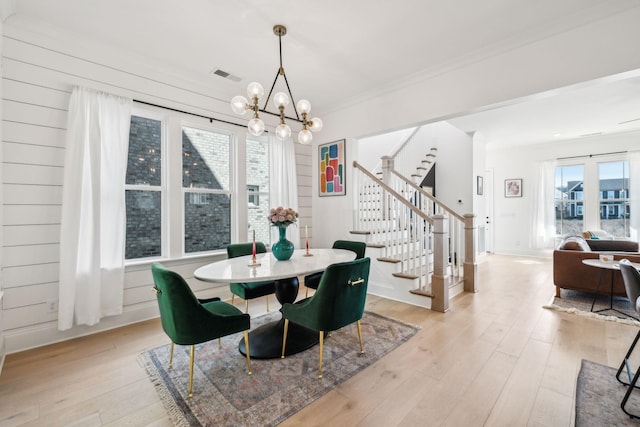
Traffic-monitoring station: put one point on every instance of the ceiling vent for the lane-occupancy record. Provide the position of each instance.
(225, 75)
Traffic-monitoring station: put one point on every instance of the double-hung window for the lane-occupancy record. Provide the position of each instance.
(614, 197)
(257, 167)
(206, 184)
(144, 189)
(593, 196)
(178, 188)
(569, 199)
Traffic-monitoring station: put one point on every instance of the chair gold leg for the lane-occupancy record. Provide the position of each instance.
(246, 347)
(246, 306)
(171, 356)
(267, 298)
(360, 337)
(219, 343)
(193, 347)
(306, 293)
(284, 336)
(233, 297)
(320, 362)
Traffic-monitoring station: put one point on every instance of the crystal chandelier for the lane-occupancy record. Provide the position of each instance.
(240, 105)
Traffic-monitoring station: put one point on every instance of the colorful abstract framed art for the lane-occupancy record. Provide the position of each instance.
(332, 169)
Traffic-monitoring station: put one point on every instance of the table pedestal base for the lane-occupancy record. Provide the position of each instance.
(265, 342)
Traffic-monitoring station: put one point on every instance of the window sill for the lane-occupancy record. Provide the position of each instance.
(195, 257)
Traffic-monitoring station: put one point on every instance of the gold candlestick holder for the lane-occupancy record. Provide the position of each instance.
(307, 253)
(253, 262)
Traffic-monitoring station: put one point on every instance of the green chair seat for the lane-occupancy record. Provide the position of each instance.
(312, 280)
(249, 290)
(253, 289)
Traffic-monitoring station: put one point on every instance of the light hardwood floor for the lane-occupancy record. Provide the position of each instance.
(497, 358)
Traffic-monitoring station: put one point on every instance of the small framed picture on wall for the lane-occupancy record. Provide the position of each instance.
(513, 187)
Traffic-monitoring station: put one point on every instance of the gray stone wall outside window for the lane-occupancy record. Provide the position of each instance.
(258, 177)
(206, 159)
(143, 207)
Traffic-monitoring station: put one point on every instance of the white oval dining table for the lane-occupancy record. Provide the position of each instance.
(265, 342)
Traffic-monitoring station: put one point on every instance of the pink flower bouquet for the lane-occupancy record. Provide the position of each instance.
(282, 216)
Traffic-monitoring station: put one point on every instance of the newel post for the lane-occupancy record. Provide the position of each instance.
(440, 278)
(470, 266)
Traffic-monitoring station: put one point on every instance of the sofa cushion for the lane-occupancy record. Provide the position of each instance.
(613, 245)
(574, 243)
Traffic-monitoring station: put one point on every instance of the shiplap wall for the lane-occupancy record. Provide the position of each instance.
(39, 73)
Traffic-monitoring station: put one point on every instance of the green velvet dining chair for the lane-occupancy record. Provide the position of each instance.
(311, 281)
(338, 302)
(249, 290)
(188, 320)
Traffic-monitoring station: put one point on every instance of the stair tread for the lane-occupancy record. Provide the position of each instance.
(406, 276)
(386, 259)
(375, 245)
(422, 293)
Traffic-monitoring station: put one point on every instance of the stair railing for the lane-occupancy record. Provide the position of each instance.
(406, 234)
(462, 256)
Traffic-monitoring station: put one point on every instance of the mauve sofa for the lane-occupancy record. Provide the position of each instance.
(570, 273)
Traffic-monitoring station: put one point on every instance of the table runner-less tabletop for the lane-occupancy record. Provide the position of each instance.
(266, 341)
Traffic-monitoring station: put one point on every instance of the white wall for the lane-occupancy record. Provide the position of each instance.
(374, 147)
(40, 71)
(594, 50)
(513, 217)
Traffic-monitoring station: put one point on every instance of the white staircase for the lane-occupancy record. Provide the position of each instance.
(422, 251)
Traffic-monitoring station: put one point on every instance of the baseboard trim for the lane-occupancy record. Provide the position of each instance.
(47, 333)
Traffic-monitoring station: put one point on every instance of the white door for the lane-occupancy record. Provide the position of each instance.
(487, 221)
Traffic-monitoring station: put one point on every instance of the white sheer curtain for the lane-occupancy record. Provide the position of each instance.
(634, 194)
(283, 182)
(544, 228)
(93, 208)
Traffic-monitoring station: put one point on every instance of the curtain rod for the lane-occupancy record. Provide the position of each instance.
(591, 155)
(211, 119)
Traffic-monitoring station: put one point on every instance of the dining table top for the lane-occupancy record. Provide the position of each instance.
(240, 269)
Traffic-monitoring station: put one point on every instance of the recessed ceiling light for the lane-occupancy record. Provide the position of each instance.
(557, 135)
(591, 134)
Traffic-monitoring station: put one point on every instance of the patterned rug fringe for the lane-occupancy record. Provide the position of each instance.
(169, 403)
(573, 310)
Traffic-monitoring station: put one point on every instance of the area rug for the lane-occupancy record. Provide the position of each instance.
(598, 397)
(224, 395)
(580, 303)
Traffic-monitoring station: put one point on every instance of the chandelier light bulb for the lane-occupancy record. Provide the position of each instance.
(315, 125)
(304, 106)
(256, 126)
(255, 89)
(305, 136)
(239, 104)
(281, 99)
(283, 132)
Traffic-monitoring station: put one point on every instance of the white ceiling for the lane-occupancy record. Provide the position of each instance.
(337, 52)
